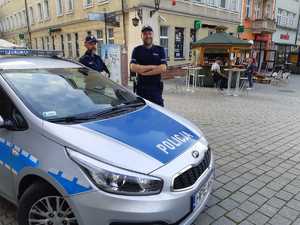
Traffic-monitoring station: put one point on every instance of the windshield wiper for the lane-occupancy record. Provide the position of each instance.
(72, 119)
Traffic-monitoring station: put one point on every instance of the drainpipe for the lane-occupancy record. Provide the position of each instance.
(28, 25)
(124, 57)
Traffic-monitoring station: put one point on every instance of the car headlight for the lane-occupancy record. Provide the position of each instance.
(116, 180)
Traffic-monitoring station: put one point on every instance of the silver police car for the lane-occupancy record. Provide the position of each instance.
(76, 148)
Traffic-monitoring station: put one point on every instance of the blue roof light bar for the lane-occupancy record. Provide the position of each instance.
(29, 52)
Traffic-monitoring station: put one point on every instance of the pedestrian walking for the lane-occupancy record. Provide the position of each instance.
(90, 58)
(149, 62)
(250, 70)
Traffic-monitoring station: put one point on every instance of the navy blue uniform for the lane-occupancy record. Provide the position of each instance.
(149, 87)
(94, 62)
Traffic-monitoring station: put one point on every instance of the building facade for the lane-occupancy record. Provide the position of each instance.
(258, 19)
(63, 24)
(285, 37)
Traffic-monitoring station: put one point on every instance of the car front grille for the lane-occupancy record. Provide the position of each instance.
(190, 177)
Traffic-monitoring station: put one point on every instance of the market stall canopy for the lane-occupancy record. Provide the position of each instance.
(7, 44)
(221, 39)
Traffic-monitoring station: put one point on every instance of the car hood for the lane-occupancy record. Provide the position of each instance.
(141, 141)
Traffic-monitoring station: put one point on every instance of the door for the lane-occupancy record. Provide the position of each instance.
(6, 184)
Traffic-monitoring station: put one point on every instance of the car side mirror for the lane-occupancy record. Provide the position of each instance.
(1, 122)
(6, 124)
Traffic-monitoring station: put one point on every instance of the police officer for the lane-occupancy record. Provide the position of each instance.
(149, 62)
(90, 58)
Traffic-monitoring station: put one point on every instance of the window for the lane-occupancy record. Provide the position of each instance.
(279, 16)
(40, 12)
(89, 33)
(31, 15)
(53, 43)
(59, 7)
(43, 43)
(46, 9)
(111, 36)
(88, 3)
(62, 44)
(36, 46)
(24, 19)
(257, 9)
(70, 45)
(179, 43)
(234, 5)
(248, 8)
(47, 43)
(77, 45)
(100, 39)
(223, 3)
(164, 39)
(69, 6)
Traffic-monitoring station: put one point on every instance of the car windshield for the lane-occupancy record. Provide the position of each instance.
(55, 94)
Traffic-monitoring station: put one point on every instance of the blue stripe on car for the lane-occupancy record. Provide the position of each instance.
(149, 131)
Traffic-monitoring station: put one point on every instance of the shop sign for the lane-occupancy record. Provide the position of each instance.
(285, 37)
(198, 24)
(262, 37)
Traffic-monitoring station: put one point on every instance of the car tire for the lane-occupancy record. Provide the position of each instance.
(36, 198)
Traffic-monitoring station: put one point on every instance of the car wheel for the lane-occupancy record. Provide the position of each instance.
(43, 205)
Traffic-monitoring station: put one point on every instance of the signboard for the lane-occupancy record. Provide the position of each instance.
(240, 29)
(111, 56)
(263, 37)
(198, 24)
(111, 19)
(285, 37)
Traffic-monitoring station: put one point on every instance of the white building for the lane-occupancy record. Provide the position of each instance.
(285, 37)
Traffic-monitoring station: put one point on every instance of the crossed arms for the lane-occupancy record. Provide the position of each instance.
(150, 70)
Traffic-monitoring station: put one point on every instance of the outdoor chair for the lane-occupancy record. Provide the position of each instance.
(244, 86)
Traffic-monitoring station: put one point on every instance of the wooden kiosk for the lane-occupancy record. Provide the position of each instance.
(221, 45)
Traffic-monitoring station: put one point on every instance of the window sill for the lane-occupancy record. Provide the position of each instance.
(88, 6)
(179, 59)
(69, 12)
(103, 2)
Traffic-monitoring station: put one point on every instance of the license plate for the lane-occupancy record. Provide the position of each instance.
(200, 195)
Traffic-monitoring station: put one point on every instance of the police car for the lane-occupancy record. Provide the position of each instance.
(76, 148)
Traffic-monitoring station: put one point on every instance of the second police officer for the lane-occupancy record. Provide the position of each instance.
(90, 58)
(149, 62)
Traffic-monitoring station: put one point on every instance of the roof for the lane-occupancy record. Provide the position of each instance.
(221, 38)
(18, 63)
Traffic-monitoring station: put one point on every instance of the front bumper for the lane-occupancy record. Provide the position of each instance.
(167, 208)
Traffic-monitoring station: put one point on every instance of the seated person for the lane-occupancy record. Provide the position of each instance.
(218, 77)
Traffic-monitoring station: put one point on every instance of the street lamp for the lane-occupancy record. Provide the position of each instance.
(156, 7)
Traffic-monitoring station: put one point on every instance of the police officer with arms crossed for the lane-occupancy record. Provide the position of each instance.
(149, 62)
(90, 58)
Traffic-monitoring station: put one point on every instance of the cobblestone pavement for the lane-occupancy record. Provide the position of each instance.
(256, 141)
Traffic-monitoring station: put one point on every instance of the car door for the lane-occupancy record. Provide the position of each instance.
(6, 175)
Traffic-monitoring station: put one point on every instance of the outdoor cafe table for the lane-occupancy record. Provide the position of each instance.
(231, 72)
(192, 71)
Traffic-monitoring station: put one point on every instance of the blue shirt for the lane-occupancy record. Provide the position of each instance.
(149, 56)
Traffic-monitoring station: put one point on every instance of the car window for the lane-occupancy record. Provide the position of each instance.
(59, 93)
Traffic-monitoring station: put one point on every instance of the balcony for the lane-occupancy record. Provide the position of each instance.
(266, 26)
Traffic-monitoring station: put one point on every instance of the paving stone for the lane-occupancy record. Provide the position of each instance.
(239, 197)
(289, 213)
(204, 219)
(223, 221)
(237, 215)
(216, 211)
(267, 192)
(258, 218)
(258, 199)
(248, 207)
(229, 204)
(279, 220)
(276, 202)
(268, 210)
(284, 195)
